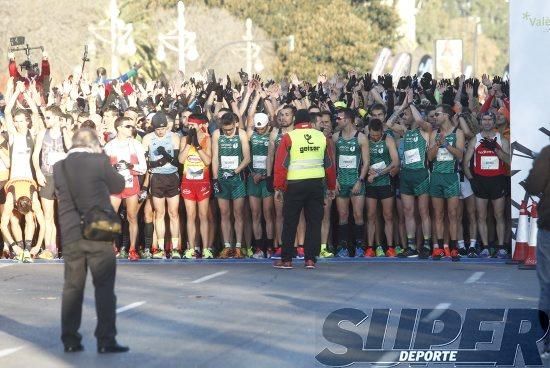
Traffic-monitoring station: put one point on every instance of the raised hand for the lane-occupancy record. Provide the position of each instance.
(244, 76)
(388, 82)
(367, 82)
(228, 83)
(486, 81)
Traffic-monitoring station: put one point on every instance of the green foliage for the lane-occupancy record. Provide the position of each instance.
(330, 35)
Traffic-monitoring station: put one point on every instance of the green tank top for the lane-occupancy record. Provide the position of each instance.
(258, 148)
(379, 159)
(414, 150)
(445, 162)
(230, 154)
(348, 158)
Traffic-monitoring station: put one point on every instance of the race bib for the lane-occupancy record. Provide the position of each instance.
(443, 154)
(194, 174)
(259, 162)
(229, 162)
(54, 157)
(489, 163)
(379, 166)
(128, 178)
(347, 162)
(412, 156)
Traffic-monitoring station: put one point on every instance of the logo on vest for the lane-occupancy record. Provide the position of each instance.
(352, 149)
(235, 145)
(307, 137)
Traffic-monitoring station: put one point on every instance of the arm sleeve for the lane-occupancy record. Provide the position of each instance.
(45, 72)
(282, 159)
(330, 167)
(487, 104)
(141, 167)
(539, 176)
(115, 181)
(130, 74)
(12, 67)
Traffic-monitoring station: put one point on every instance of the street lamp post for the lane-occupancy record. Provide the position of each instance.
(477, 31)
(248, 39)
(185, 48)
(120, 40)
(113, 12)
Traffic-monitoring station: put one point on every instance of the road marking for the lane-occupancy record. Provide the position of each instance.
(438, 311)
(6, 265)
(7, 352)
(130, 306)
(208, 277)
(475, 277)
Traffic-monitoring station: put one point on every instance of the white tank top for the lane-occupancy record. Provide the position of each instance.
(20, 157)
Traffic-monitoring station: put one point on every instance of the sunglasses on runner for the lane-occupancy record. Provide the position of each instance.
(440, 113)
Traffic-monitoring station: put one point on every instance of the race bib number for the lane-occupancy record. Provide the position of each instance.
(128, 178)
(412, 156)
(229, 162)
(259, 162)
(379, 166)
(194, 174)
(489, 163)
(443, 154)
(347, 162)
(54, 157)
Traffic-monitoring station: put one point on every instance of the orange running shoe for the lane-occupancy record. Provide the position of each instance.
(391, 252)
(370, 252)
(437, 254)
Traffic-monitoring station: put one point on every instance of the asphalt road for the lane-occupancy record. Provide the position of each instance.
(237, 313)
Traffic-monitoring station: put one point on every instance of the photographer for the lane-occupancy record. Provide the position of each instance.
(95, 181)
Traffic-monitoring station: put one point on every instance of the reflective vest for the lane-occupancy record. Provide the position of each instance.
(307, 154)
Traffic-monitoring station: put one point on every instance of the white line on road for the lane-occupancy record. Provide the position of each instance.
(6, 265)
(208, 277)
(475, 277)
(7, 352)
(130, 306)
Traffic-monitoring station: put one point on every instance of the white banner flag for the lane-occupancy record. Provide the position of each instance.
(529, 92)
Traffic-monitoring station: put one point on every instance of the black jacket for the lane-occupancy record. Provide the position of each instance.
(538, 183)
(93, 179)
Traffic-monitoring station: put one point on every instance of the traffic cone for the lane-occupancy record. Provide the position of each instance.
(521, 246)
(531, 259)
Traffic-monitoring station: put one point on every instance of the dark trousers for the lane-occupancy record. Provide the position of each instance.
(543, 270)
(100, 258)
(307, 195)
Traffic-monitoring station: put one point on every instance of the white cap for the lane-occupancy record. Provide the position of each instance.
(260, 120)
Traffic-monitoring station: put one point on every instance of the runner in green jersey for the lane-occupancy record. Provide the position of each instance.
(414, 176)
(260, 199)
(445, 152)
(383, 159)
(230, 157)
(352, 157)
(324, 124)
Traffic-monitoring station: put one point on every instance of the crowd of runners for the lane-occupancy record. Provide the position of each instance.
(422, 164)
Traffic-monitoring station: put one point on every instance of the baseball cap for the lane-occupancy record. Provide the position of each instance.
(159, 120)
(260, 120)
(340, 105)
